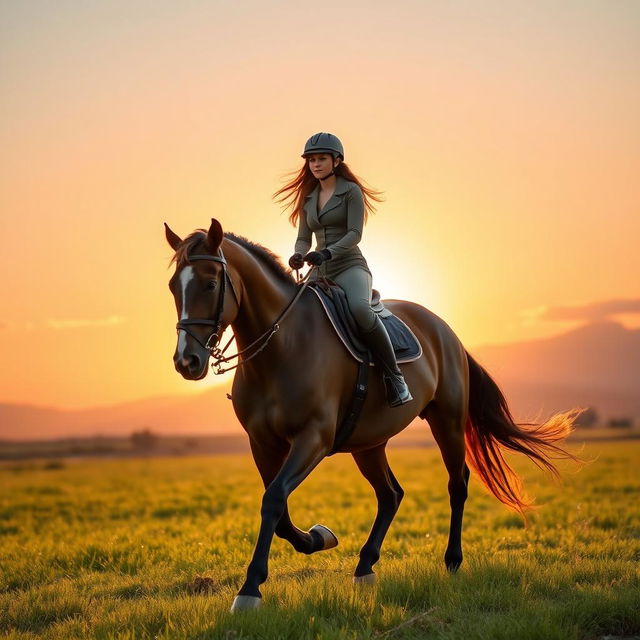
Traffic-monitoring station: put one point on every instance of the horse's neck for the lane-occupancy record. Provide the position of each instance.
(263, 299)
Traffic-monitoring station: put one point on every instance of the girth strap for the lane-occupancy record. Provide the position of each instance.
(348, 424)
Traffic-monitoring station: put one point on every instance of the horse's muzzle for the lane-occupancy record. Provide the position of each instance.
(190, 366)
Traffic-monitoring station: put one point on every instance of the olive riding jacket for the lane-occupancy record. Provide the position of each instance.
(338, 227)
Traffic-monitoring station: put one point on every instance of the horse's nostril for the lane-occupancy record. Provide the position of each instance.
(190, 362)
(195, 363)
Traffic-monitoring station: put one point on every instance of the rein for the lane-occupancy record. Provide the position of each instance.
(211, 344)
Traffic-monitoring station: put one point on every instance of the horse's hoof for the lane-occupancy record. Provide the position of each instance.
(452, 567)
(245, 603)
(329, 539)
(453, 562)
(369, 578)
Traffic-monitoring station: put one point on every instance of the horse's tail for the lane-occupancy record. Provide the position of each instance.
(490, 427)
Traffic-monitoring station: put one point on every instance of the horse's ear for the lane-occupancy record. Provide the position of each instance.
(172, 238)
(214, 236)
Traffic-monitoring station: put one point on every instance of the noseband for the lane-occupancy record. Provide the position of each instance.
(216, 323)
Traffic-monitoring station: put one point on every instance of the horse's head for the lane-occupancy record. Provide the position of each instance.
(204, 297)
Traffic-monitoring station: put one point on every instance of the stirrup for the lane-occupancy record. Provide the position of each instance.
(397, 390)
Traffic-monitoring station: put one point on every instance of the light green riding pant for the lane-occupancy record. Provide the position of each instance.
(357, 284)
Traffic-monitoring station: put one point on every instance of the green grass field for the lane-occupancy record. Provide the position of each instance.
(112, 549)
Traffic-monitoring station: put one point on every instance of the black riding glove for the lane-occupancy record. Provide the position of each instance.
(296, 261)
(316, 258)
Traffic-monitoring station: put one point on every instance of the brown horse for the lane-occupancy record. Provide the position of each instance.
(294, 386)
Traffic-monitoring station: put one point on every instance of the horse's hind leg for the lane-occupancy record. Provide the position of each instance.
(375, 468)
(448, 424)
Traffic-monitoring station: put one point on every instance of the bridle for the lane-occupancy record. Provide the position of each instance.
(216, 323)
(211, 343)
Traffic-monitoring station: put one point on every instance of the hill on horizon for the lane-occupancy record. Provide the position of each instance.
(594, 365)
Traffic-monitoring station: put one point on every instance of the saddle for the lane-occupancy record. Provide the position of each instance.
(334, 302)
(405, 344)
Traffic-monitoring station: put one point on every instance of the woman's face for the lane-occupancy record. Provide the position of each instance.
(320, 164)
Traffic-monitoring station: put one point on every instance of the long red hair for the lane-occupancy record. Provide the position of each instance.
(304, 182)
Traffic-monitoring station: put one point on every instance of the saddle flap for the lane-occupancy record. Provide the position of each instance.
(334, 303)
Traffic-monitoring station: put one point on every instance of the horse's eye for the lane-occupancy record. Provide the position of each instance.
(211, 285)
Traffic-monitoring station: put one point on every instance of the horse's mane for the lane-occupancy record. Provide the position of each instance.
(267, 258)
(264, 256)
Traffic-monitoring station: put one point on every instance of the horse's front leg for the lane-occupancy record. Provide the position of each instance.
(307, 450)
(269, 461)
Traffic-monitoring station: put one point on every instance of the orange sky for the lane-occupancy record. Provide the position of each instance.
(504, 135)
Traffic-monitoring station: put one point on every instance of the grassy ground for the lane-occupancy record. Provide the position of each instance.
(112, 549)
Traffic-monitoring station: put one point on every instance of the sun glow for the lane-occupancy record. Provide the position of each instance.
(508, 169)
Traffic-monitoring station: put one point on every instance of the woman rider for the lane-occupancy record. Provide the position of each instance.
(328, 200)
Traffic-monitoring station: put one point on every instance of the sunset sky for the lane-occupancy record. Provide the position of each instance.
(505, 136)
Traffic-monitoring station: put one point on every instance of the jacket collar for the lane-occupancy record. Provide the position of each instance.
(311, 204)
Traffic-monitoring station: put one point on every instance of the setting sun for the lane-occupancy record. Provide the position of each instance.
(508, 168)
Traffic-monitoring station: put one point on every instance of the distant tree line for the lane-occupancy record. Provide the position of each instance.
(590, 418)
(147, 440)
(144, 440)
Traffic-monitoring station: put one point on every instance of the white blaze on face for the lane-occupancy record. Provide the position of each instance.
(186, 276)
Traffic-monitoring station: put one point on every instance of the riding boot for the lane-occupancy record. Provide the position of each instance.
(378, 341)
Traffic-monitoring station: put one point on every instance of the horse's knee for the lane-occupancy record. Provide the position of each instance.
(396, 486)
(390, 496)
(283, 529)
(398, 499)
(273, 503)
(398, 492)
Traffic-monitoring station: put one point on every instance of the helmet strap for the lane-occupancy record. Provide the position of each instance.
(333, 173)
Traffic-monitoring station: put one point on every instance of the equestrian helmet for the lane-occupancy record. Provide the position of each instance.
(324, 143)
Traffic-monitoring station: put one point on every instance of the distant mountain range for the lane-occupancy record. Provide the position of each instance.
(206, 412)
(596, 365)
